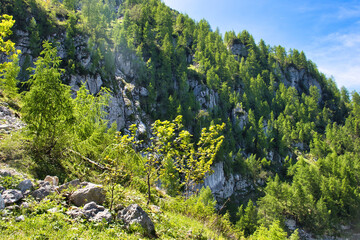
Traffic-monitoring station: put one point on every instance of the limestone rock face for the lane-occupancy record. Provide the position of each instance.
(300, 80)
(239, 50)
(135, 214)
(206, 97)
(11, 196)
(239, 116)
(90, 193)
(224, 187)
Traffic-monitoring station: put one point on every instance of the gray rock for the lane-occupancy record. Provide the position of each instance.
(116, 111)
(90, 193)
(75, 212)
(135, 214)
(53, 180)
(73, 183)
(143, 92)
(24, 205)
(239, 50)
(13, 207)
(8, 173)
(11, 196)
(95, 212)
(91, 211)
(223, 187)
(20, 218)
(290, 224)
(2, 203)
(44, 190)
(94, 84)
(2, 189)
(25, 185)
(53, 210)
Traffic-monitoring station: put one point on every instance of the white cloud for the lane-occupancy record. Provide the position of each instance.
(350, 11)
(338, 55)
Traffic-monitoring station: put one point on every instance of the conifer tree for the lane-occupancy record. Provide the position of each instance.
(48, 110)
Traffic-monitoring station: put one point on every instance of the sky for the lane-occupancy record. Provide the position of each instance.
(328, 31)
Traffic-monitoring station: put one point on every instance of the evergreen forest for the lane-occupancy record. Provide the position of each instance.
(149, 103)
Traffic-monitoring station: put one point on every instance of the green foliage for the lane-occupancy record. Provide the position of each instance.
(201, 205)
(91, 131)
(10, 69)
(10, 182)
(48, 109)
(248, 219)
(274, 232)
(173, 56)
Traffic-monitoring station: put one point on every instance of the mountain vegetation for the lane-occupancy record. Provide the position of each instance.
(264, 112)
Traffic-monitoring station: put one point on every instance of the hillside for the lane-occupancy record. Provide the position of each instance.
(280, 137)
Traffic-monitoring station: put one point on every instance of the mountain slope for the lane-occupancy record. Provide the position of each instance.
(283, 117)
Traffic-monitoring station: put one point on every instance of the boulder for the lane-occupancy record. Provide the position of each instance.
(45, 189)
(20, 218)
(11, 196)
(25, 185)
(2, 203)
(73, 183)
(95, 212)
(53, 180)
(90, 193)
(135, 214)
(75, 212)
(91, 211)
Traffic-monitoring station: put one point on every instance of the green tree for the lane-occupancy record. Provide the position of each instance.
(248, 218)
(91, 131)
(35, 42)
(10, 69)
(48, 109)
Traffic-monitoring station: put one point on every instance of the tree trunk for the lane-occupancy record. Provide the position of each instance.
(149, 190)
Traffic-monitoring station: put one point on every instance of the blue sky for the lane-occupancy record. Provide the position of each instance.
(327, 31)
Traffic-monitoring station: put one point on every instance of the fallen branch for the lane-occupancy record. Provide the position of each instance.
(89, 160)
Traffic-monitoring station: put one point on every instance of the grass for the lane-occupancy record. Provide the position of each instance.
(39, 223)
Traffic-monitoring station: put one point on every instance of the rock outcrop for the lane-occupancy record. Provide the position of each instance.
(206, 97)
(9, 121)
(224, 187)
(238, 49)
